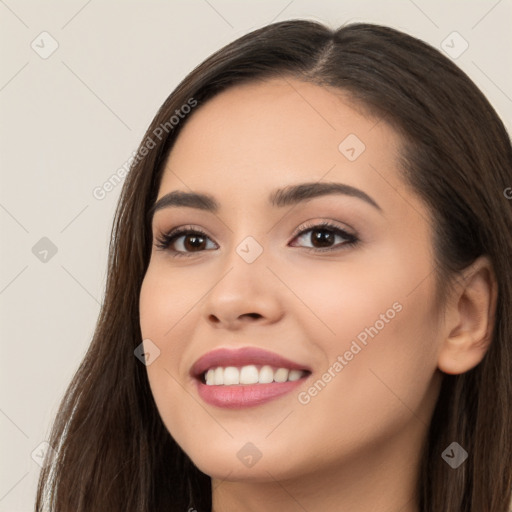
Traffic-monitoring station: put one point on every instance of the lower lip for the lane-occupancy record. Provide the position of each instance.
(239, 396)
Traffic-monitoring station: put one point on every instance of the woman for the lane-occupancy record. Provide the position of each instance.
(309, 292)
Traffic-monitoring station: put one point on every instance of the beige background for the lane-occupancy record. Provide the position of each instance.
(69, 120)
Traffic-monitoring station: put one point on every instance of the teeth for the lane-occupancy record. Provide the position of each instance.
(210, 377)
(231, 376)
(281, 375)
(266, 375)
(294, 375)
(250, 374)
(218, 376)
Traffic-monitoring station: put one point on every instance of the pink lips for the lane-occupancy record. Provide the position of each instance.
(237, 396)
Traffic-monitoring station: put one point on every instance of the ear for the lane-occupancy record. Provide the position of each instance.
(470, 315)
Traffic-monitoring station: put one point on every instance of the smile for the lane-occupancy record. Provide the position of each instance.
(245, 377)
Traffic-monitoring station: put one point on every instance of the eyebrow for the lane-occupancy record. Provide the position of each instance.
(290, 195)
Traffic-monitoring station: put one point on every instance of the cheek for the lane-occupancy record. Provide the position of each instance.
(345, 299)
(165, 298)
(382, 357)
(167, 319)
(377, 317)
(158, 310)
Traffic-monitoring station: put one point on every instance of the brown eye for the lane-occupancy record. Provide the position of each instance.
(193, 242)
(183, 242)
(325, 237)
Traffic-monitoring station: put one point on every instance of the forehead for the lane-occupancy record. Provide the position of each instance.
(262, 120)
(257, 137)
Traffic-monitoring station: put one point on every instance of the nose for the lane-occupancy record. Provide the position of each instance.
(243, 294)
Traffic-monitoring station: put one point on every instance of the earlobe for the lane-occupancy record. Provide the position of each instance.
(471, 320)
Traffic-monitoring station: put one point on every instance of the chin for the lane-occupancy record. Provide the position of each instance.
(243, 463)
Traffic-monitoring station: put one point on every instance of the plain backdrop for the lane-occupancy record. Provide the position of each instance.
(79, 83)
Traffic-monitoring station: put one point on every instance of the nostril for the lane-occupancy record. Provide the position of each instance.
(216, 320)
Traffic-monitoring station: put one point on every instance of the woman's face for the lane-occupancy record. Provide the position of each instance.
(349, 307)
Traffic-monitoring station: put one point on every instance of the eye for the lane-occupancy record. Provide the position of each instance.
(323, 235)
(194, 240)
(188, 240)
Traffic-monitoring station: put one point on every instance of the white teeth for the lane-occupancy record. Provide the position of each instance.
(231, 376)
(218, 377)
(250, 374)
(281, 375)
(294, 375)
(266, 375)
(210, 377)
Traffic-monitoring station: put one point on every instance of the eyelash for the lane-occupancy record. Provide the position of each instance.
(164, 240)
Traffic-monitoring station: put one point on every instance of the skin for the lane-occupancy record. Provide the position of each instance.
(356, 445)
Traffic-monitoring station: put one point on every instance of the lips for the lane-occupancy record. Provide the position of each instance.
(229, 395)
(224, 357)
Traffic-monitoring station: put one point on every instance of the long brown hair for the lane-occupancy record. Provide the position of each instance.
(113, 451)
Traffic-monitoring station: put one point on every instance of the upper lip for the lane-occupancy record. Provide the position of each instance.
(242, 357)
